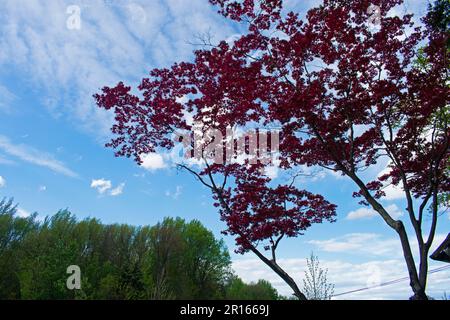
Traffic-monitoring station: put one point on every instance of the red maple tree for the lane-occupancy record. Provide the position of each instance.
(346, 95)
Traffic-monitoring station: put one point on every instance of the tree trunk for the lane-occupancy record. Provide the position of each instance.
(417, 286)
(415, 283)
(271, 263)
(281, 273)
(423, 269)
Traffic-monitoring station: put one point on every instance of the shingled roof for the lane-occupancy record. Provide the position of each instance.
(443, 252)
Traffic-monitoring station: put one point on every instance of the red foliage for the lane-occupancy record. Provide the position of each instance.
(256, 212)
(322, 79)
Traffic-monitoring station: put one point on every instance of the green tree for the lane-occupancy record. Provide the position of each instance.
(174, 259)
(46, 254)
(261, 290)
(188, 262)
(439, 15)
(12, 232)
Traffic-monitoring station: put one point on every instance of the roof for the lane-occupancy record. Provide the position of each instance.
(443, 252)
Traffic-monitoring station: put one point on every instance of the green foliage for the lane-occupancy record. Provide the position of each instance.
(188, 261)
(7, 207)
(439, 15)
(13, 231)
(444, 198)
(422, 62)
(174, 259)
(262, 290)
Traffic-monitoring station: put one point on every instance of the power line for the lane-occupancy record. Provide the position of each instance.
(389, 282)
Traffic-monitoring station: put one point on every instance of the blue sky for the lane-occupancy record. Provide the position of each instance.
(52, 135)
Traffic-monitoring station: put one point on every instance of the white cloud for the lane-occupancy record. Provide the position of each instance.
(34, 156)
(367, 213)
(118, 190)
(101, 185)
(392, 192)
(42, 188)
(336, 174)
(23, 213)
(361, 213)
(153, 161)
(394, 211)
(176, 194)
(271, 172)
(347, 276)
(370, 245)
(384, 264)
(106, 187)
(117, 41)
(360, 243)
(2, 182)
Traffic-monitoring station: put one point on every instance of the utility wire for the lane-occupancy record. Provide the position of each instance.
(389, 282)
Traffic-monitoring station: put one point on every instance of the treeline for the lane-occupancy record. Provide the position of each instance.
(174, 259)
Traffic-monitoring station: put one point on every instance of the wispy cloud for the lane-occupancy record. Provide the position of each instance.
(34, 156)
(2, 182)
(6, 98)
(118, 190)
(6, 161)
(176, 194)
(117, 40)
(359, 243)
(369, 244)
(367, 213)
